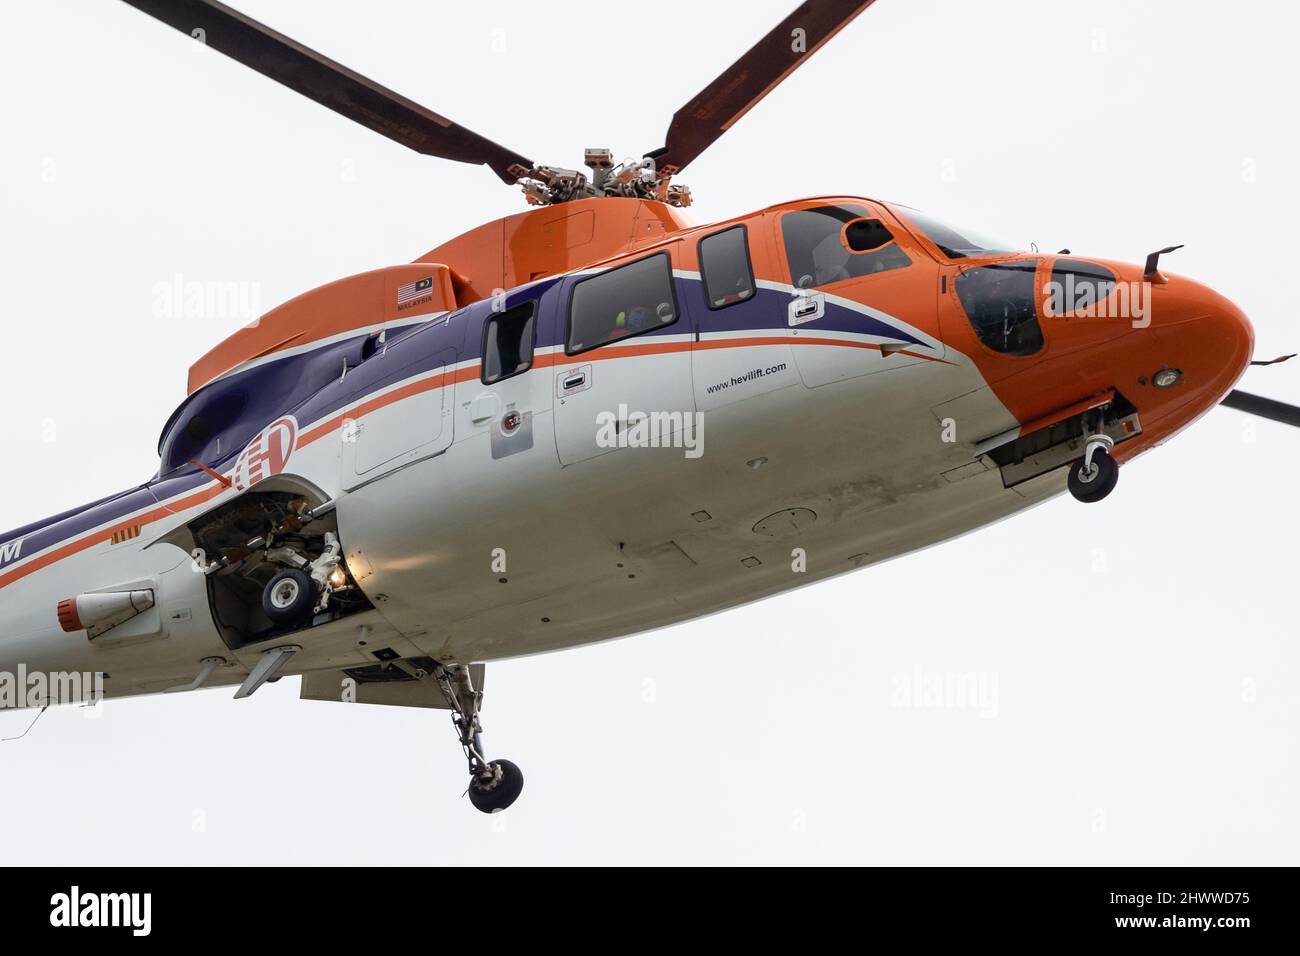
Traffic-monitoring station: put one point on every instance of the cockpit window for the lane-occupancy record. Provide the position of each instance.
(999, 301)
(816, 249)
(953, 242)
(1077, 287)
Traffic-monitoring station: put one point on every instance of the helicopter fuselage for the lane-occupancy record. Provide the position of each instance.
(595, 420)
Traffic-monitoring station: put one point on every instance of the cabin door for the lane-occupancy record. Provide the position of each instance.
(622, 374)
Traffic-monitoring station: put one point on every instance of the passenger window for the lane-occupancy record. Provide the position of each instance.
(508, 343)
(999, 301)
(725, 267)
(820, 250)
(622, 302)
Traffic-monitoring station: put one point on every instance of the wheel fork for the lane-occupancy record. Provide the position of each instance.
(464, 701)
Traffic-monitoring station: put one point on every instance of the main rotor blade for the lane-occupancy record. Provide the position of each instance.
(720, 104)
(1263, 407)
(332, 84)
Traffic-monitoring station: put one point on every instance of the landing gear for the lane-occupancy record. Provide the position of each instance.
(494, 785)
(1094, 476)
(498, 792)
(289, 597)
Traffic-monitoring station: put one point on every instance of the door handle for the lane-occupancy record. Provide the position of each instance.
(807, 307)
(570, 381)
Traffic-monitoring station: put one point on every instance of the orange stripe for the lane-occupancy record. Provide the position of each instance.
(557, 358)
(552, 359)
(804, 340)
(365, 408)
(75, 547)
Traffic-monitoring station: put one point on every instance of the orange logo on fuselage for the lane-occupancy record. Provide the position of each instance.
(267, 453)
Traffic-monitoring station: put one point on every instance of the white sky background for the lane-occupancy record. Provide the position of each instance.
(1144, 649)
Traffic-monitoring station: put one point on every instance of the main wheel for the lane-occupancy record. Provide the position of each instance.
(1097, 482)
(289, 597)
(494, 796)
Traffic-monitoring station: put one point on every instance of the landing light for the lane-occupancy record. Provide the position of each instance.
(338, 578)
(1166, 377)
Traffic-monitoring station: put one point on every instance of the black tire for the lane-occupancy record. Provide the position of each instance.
(1099, 482)
(494, 799)
(289, 597)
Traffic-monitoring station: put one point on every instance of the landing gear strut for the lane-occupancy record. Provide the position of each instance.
(1094, 476)
(494, 785)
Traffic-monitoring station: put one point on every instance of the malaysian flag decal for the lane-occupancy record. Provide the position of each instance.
(409, 293)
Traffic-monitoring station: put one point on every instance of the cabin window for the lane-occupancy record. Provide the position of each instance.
(725, 268)
(999, 301)
(626, 301)
(508, 343)
(820, 250)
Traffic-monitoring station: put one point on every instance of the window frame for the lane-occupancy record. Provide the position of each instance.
(848, 245)
(749, 264)
(903, 215)
(532, 352)
(1111, 281)
(869, 212)
(975, 265)
(568, 311)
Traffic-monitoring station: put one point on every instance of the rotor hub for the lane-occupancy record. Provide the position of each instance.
(630, 179)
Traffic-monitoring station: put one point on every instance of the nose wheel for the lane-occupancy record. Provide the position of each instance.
(496, 787)
(1094, 476)
(493, 785)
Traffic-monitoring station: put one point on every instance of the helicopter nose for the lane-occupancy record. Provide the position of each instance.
(1200, 345)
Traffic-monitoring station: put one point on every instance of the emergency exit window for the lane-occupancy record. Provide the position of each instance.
(725, 267)
(508, 343)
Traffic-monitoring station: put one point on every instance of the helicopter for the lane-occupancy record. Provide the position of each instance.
(595, 418)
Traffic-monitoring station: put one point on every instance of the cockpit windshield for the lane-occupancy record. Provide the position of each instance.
(953, 242)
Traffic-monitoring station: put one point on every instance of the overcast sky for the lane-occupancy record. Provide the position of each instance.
(1138, 656)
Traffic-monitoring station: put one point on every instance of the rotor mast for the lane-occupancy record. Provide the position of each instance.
(631, 179)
